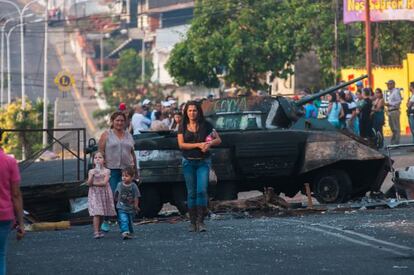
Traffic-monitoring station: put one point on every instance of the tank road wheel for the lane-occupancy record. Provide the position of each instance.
(332, 186)
(150, 202)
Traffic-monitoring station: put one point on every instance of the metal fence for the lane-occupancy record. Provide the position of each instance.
(70, 164)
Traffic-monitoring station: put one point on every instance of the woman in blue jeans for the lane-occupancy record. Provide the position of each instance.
(195, 138)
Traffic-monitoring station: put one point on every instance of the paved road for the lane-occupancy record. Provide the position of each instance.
(360, 242)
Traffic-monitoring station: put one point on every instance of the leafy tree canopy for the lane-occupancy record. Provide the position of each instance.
(122, 86)
(244, 39)
(13, 117)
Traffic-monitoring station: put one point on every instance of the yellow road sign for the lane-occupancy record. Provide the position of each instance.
(64, 80)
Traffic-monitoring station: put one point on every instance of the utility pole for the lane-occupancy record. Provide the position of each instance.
(143, 58)
(45, 59)
(8, 69)
(2, 67)
(368, 48)
(336, 57)
(22, 59)
(63, 15)
(102, 54)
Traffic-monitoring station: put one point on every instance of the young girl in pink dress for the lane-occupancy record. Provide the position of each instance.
(100, 198)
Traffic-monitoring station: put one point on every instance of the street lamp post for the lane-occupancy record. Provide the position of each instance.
(45, 63)
(143, 58)
(8, 34)
(21, 13)
(21, 49)
(2, 31)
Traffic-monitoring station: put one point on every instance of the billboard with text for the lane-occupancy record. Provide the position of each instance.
(381, 10)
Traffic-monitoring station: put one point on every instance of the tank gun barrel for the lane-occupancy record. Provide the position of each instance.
(305, 100)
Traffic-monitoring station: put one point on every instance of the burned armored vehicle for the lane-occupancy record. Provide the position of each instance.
(266, 142)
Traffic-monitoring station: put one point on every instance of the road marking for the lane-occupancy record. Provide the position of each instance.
(368, 237)
(378, 244)
(77, 95)
(352, 240)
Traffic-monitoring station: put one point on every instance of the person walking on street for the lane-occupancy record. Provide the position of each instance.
(393, 105)
(127, 199)
(195, 138)
(117, 144)
(11, 204)
(410, 110)
(100, 198)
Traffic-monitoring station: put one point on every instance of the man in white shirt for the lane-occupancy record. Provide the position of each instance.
(393, 104)
(139, 122)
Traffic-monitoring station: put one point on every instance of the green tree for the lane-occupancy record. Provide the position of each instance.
(122, 86)
(244, 39)
(13, 117)
(391, 40)
(125, 84)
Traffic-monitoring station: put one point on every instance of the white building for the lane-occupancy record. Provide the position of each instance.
(165, 39)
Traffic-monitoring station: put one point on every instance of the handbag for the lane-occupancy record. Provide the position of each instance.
(212, 177)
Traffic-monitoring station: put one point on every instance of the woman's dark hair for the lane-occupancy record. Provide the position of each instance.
(341, 95)
(378, 90)
(412, 84)
(116, 114)
(177, 112)
(200, 115)
(333, 97)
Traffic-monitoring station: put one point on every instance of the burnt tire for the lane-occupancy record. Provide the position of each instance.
(179, 195)
(150, 202)
(332, 186)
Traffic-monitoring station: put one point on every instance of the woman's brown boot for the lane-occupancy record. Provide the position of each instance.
(193, 219)
(201, 212)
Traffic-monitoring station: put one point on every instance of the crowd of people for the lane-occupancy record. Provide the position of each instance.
(146, 116)
(364, 111)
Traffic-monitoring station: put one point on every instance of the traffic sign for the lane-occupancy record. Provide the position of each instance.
(64, 80)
